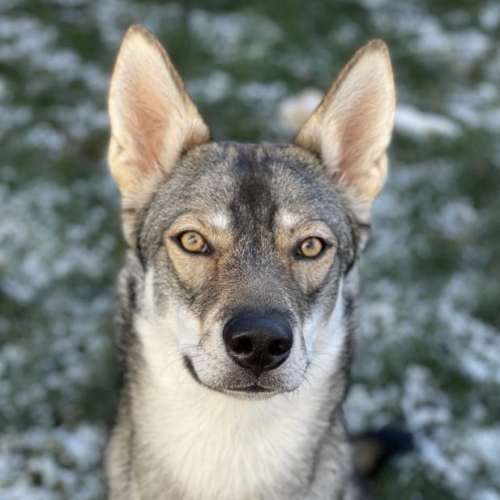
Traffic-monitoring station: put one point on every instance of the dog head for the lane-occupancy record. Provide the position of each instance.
(244, 247)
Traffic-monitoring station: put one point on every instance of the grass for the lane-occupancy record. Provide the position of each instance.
(427, 355)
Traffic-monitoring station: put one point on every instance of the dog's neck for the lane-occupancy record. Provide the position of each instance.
(211, 445)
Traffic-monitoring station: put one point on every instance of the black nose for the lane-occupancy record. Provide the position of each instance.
(258, 341)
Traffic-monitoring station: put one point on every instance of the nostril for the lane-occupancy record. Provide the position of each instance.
(279, 347)
(242, 345)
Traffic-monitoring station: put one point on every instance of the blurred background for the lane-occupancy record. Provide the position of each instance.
(428, 356)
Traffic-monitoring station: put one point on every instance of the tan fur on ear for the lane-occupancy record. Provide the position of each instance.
(153, 119)
(351, 128)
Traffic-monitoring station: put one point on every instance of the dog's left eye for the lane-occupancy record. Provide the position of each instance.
(193, 242)
(311, 247)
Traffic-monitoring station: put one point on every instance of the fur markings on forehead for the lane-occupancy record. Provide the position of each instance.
(287, 220)
(219, 220)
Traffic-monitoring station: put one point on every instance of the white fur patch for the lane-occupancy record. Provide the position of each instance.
(288, 220)
(213, 446)
(219, 220)
(325, 340)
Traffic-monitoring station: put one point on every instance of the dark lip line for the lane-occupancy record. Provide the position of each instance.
(190, 368)
(255, 388)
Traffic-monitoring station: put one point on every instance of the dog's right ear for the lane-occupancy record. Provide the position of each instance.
(153, 120)
(351, 128)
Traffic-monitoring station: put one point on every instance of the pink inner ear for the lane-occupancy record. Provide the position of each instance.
(152, 116)
(360, 116)
(144, 111)
(362, 141)
(352, 127)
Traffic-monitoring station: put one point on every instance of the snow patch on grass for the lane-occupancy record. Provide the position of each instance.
(420, 125)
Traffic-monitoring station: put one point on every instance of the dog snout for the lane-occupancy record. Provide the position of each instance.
(258, 341)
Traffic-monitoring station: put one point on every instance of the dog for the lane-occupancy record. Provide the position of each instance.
(237, 302)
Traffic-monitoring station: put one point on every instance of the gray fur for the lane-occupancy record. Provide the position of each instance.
(252, 183)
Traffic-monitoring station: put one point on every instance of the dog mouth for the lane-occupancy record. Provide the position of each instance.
(252, 389)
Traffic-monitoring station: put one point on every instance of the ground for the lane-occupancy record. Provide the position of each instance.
(428, 356)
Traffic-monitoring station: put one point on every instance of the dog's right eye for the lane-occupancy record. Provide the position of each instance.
(193, 242)
(311, 247)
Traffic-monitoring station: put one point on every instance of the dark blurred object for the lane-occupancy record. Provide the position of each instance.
(374, 448)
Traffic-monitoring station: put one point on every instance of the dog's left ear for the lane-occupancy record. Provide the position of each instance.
(351, 128)
(153, 121)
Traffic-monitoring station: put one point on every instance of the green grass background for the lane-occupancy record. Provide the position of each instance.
(428, 356)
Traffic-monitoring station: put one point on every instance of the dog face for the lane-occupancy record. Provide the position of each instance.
(244, 247)
(247, 244)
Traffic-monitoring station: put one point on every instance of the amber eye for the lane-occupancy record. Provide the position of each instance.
(311, 247)
(193, 242)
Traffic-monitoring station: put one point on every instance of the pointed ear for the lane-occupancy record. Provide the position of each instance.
(153, 119)
(351, 128)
